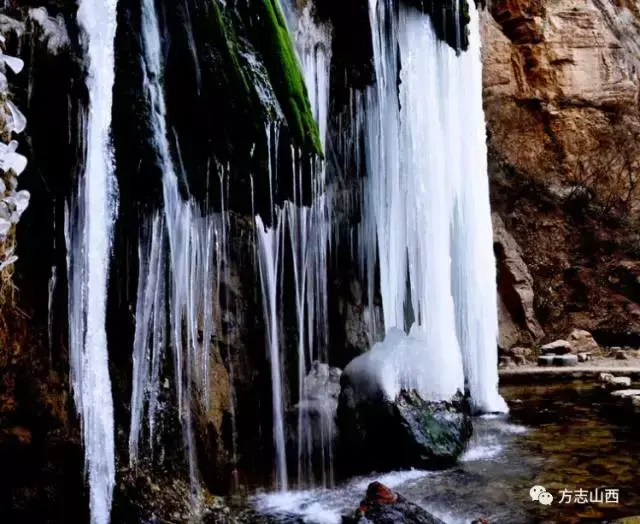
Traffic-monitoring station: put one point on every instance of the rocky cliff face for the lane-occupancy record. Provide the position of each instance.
(561, 99)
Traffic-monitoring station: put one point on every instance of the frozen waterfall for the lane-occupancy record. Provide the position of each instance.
(426, 207)
(88, 228)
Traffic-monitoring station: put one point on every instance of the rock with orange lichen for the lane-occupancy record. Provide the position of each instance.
(381, 505)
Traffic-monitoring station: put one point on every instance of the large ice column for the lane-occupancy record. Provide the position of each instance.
(474, 268)
(426, 207)
(384, 192)
(88, 230)
(428, 151)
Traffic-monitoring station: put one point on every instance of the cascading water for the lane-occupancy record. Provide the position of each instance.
(269, 253)
(308, 236)
(426, 209)
(181, 257)
(88, 230)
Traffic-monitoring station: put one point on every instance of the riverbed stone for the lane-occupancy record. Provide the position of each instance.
(558, 347)
(545, 360)
(626, 393)
(621, 355)
(383, 506)
(606, 377)
(582, 341)
(565, 360)
(618, 382)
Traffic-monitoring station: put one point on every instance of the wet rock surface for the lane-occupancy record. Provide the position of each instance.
(383, 506)
(381, 434)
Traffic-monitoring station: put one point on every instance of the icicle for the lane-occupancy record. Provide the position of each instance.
(15, 64)
(474, 268)
(88, 232)
(17, 121)
(9, 159)
(150, 255)
(269, 245)
(52, 287)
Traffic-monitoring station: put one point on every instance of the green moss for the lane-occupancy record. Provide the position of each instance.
(286, 77)
(228, 48)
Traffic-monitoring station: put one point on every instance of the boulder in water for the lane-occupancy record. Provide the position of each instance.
(377, 433)
(383, 506)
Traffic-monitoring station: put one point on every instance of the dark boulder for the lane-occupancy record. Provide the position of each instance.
(379, 434)
(383, 506)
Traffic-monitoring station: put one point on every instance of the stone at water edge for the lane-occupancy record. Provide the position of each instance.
(558, 347)
(583, 341)
(626, 393)
(619, 382)
(621, 355)
(565, 360)
(378, 434)
(383, 506)
(545, 360)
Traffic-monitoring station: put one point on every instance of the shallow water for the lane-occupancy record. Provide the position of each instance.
(566, 436)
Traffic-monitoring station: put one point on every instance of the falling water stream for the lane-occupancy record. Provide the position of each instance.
(182, 258)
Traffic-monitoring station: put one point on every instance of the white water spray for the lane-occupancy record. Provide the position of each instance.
(88, 229)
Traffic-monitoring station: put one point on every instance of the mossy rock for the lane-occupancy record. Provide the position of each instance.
(379, 434)
(277, 50)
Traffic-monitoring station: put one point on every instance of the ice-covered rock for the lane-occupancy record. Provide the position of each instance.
(16, 121)
(10, 25)
(5, 226)
(319, 401)
(399, 362)
(17, 204)
(8, 261)
(9, 159)
(12, 62)
(54, 30)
